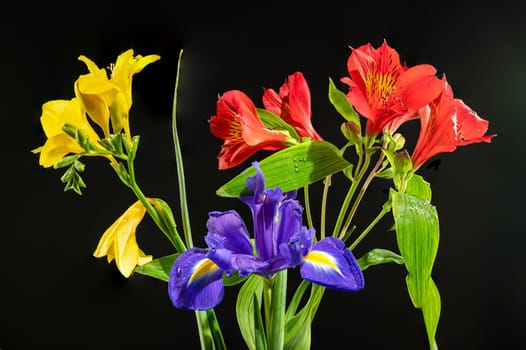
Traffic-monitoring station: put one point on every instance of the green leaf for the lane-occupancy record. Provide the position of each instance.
(291, 168)
(298, 328)
(417, 232)
(247, 308)
(379, 256)
(158, 268)
(340, 103)
(274, 122)
(419, 187)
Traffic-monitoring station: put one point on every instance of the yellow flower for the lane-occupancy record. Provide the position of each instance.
(119, 242)
(122, 73)
(97, 93)
(110, 99)
(55, 114)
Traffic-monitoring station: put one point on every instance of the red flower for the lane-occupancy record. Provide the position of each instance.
(446, 123)
(386, 92)
(237, 122)
(292, 104)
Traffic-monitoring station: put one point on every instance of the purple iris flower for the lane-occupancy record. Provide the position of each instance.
(281, 242)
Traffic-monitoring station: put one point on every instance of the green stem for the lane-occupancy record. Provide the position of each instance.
(307, 205)
(209, 330)
(173, 237)
(361, 193)
(179, 163)
(359, 171)
(205, 334)
(277, 311)
(326, 186)
(385, 209)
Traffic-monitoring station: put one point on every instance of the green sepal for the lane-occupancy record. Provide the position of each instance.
(66, 161)
(167, 218)
(417, 233)
(79, 136)
(114, 143)
(291, 168)
(342, 105)
(72, 177)
(247, 308)
(379, 256)
(274, 122)
(158, 268)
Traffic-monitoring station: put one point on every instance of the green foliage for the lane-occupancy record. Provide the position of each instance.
(308, 162)
(417, 233)
(158, 268)
(72, 177)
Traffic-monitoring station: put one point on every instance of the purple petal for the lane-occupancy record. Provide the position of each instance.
(195, 282)
(226, 230)
(288, 221)
(297, 247)
(332, 265)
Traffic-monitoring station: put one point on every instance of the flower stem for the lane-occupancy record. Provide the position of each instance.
(307, 205)
(385, 209)
(360, 172)
(361, 193)
(276, 334)
(327, 184)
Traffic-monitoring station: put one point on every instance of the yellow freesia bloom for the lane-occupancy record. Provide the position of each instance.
(122, 73)
(119, 242)
(55, 114)
(110, 99)
(97, 93)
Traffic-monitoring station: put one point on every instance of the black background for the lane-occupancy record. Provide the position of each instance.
(54, 293)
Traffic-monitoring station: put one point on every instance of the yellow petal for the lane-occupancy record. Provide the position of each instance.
(119, 241)
(56, 148)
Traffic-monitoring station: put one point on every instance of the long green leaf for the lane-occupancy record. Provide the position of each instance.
(291, 168)
(246, 309)
(158, 268)
(417, 232)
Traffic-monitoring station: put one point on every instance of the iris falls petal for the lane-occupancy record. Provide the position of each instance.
(332, 265)
(195, 281)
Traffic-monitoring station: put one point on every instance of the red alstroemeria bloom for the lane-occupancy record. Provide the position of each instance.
(292, 104)
(445, 124)
(237, 122)
(386, 92)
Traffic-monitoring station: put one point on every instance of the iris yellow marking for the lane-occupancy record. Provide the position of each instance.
(321, 259)
(204, 267)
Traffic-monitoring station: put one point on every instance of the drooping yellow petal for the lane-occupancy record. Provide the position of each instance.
(119, 241)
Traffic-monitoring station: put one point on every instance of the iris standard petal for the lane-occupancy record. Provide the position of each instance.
(195, 281)
(332, 265)
(228, 230)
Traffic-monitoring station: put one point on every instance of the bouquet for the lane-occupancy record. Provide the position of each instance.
(282, 236)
